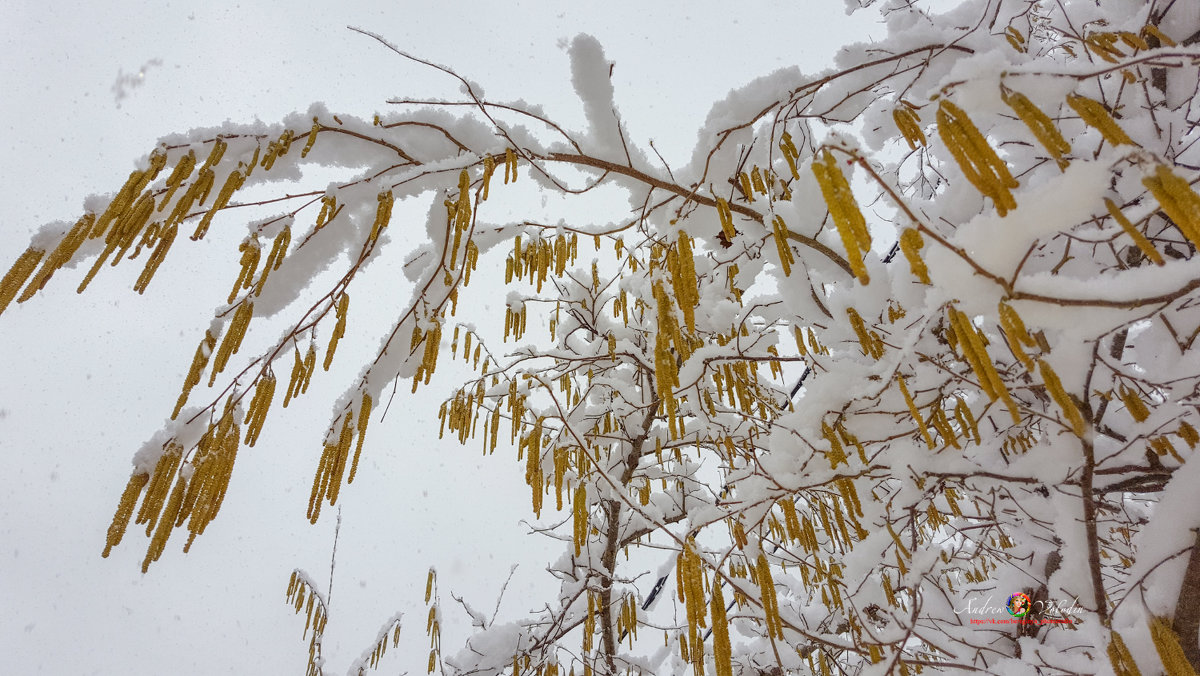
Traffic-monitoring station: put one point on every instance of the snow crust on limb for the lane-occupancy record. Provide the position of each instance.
(590, 76)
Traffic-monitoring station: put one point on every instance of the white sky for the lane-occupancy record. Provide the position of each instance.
(85, 380)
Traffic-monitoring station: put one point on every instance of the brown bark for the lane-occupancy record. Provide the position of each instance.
(608, 561)
(612, 535)
(1089, 525)
(1187, 608)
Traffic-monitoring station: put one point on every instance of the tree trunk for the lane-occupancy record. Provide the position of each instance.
(612, 511)
(1187, 608)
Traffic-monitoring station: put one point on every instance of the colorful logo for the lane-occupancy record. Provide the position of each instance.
(1018, 605)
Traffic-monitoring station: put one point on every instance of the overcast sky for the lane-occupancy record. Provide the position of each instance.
(85, 380)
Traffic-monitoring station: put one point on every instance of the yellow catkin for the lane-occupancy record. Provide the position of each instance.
(1150, 30)
(907, 122)
(432, 339)
(683, 276)
(942, 424)
(799, 337)
(310, 367)
(341, 455)
(364, 417)
(1134, 404)
(690, 579)
(580, 518)
(297, 378)
(199, 361)
(979, 163)
(249, 263)
(232, 340)
(198, 190)
(837, 452)
(274, 259)
(790, 153)
(120, 521)
(510, 166)
(158, 541)
(429, 580)
(815, 346)
(1041, 125)
(183, 169)
(975, 353)
(233, 182)
(1015, 334)
(722, 652)
(339, 329)
(868, 341)
(770, 602)
(973, 349)
(747, 188)
(1138, 238)
(383, 215)
(779, 231)
(160, 483)
(1188, 434)
(320, 482)
(665, 368)
(203, 462)
(253, 161)
(134, 185)
(631, 617)
(1162, 446)
(217, 152)
(1011, 322)
(214, 460)
(533, 465)
(470, 261)
(132, 227)
(312, 138)
(1178, 200)
(17, 275)
(850, 496)
(967, 419)
(1166, 642)
(911, 243)
(165, 239)
(1064, 401)
(329, 208)
(1103, 45)
(1133, 40)
(60, 256)
(121, 236)
(1122, 662)
(726, 217)
(489, 167)
(756, 177)
(256, 414)
(1097, 116)
(278, 148)
(790, 520)
(560, 470)
(916, 412)
(1015, 39)
(844, 211)
(459, 213)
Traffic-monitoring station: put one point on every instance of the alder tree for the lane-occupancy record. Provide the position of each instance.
(910, 333)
